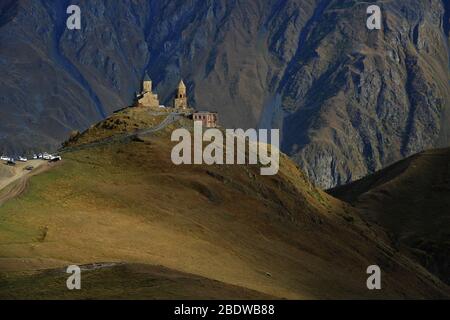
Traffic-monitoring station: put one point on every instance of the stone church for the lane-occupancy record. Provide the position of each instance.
(180, 103)
(149, 99)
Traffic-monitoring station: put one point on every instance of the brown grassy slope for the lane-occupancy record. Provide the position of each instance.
(411, 199)
(126, 201)
(120, 281)
(126, 121)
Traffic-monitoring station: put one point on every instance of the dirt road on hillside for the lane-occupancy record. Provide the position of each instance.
(13, 180)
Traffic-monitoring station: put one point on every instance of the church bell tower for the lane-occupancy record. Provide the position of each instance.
(147, 84)
(181, 101)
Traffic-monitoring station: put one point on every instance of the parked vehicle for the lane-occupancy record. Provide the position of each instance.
(4, 158)
(55, 159)
(46, 156)
(40, 156)
(23, 159)
(35, 156)
(11, 162)
(29, 168)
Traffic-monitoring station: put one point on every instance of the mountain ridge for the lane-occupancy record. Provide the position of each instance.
(410, 200)
(348, 101)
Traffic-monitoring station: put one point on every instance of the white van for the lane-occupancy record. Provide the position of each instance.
(55, 158)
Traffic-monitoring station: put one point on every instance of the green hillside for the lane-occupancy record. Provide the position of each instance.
(122, 200)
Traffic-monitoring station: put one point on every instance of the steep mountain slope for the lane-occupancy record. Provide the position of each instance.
(214, 44)
(363, 99)
(411, 199)
(119, 198)
(350, 101)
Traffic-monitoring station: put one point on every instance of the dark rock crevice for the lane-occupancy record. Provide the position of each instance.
(446, 18)
(58, 13)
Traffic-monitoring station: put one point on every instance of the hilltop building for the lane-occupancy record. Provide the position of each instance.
(209, 119)
(147, 98)
(181, 101)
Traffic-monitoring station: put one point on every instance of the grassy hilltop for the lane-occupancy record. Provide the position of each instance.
(193, 231)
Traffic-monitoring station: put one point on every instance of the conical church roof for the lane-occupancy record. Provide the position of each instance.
(182, 85)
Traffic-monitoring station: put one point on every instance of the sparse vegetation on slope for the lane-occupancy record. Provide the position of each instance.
(125, 201)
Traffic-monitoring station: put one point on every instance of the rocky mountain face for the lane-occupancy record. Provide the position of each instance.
(357, 100)
(349, 101)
